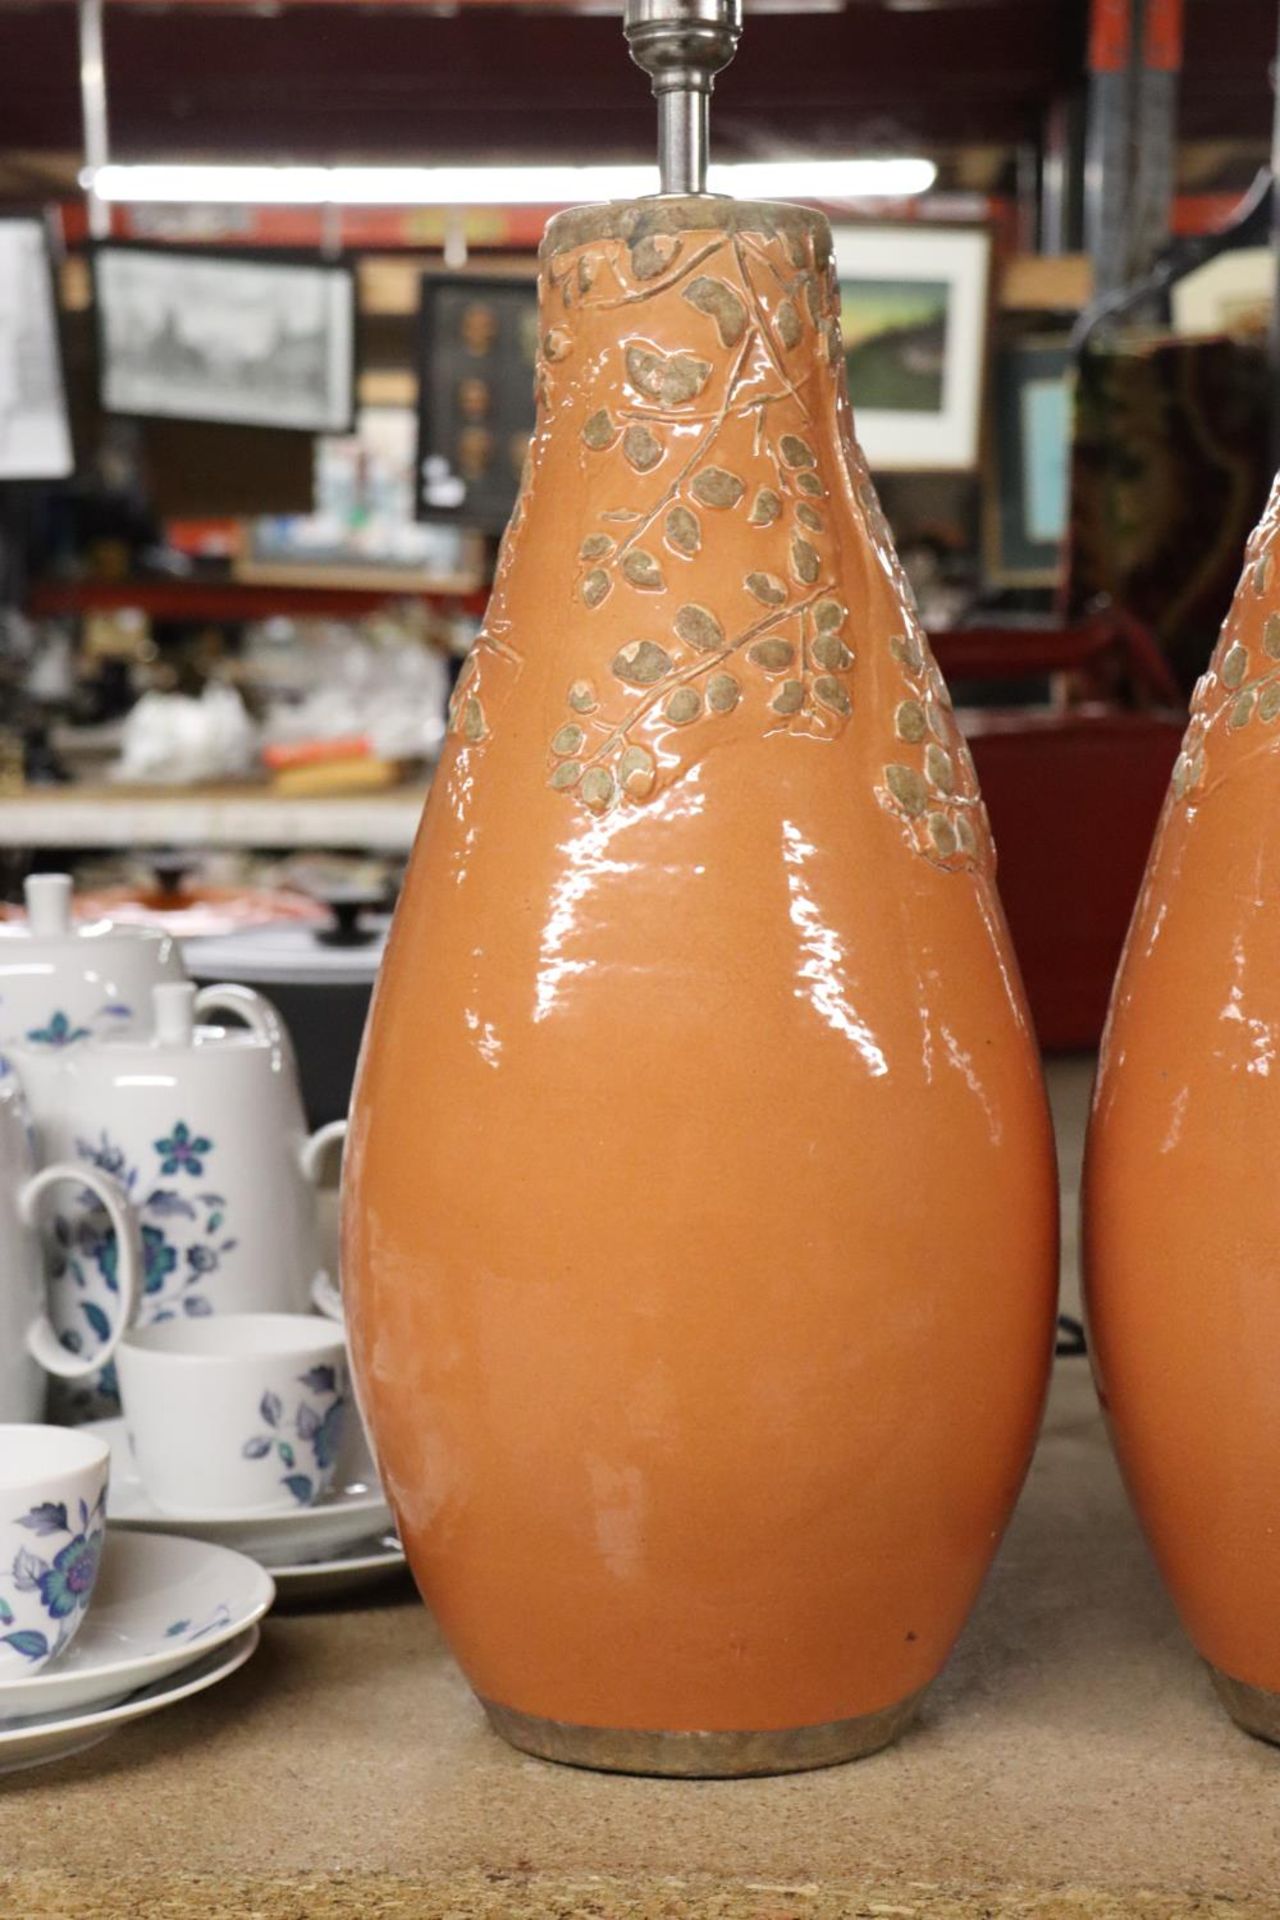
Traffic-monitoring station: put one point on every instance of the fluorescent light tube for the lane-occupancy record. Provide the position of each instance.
(494, 186)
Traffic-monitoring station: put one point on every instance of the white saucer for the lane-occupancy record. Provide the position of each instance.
(161, 1603)
(57, 1738)
(352, 1512)
(369, 1563)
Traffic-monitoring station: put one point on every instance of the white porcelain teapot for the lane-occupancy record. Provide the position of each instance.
(30, 1345)
(64, 982)
(203, 1127)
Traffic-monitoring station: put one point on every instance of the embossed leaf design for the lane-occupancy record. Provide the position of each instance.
(684, 531)
(766, 508)
(766, 588)
(643, 571)
(641, 448)
(641, 663)
(595, 547)
(830, 651)
(598, 788)
(582, 697)
(795, 451)
(805, 561)
(699, 628)
(637, 772)
(907, 788)
(723, 693)
(789, 698)
(717, 487)
(788, 323)
(673, 379)
(652, 253)
(599, 431)
(829, 692)
(684, 705)
(718, 299)
(773, 655)
(596, 586)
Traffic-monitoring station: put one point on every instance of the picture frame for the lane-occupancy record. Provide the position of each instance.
(1026, 503)
(36, 442)
(362, 529)
(914, 312)
(477, 349)
(1233, 293)
(244, 337)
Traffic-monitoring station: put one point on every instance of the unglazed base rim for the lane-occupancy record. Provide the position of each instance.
(704, 1756)
(1254, 1709)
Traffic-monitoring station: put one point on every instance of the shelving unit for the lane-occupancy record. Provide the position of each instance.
(120, 817)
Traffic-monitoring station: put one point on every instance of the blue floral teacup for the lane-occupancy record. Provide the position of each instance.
(240, 1413)
(53, 1500)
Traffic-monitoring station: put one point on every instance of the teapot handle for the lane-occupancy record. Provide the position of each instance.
(326, 1295)
(42, 1340)
(245, 1004)
(315, 1149)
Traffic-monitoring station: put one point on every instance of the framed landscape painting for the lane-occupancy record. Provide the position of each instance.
(255, 339)
(914, 316)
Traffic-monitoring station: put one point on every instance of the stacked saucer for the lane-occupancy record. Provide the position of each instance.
(170, 1617)
(342, 1544)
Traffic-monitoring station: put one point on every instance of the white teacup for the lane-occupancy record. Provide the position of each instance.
(30, 1346)
(53, 1498)
(63, 983)
(241, 1413)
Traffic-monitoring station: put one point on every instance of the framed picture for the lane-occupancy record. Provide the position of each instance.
(362, 528)
(1232, 293)
(1028, 480)
(478, 343)
(259, 339)
(35, 430)
(913, 312)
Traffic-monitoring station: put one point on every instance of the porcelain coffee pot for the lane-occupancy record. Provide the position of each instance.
(204, 1128)
(62, 983)
(30, 1346)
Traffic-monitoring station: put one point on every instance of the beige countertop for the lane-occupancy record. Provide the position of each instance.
(1072, 1761)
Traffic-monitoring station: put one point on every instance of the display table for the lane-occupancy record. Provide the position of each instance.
(234, 816)
(1072, 1761)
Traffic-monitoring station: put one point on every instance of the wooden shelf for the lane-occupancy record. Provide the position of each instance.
(244, 599)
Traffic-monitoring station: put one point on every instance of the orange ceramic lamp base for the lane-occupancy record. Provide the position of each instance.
(700, 1223)
(1182, 1214)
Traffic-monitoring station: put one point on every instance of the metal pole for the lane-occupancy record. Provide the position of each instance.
(1109, 142)
(1155, 160)
(682, 45)
(93, 109)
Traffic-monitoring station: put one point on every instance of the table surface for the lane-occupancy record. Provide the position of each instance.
(1071, 1761)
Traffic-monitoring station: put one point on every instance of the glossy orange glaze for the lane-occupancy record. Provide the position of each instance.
(700, 1223)
(1182, 1198)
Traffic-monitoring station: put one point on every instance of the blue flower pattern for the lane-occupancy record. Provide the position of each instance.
(316, 1427)
(61, 1582)
(184, 1240)
(58, 1031)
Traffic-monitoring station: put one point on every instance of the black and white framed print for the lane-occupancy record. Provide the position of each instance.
(255, 339)
(35, 429)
